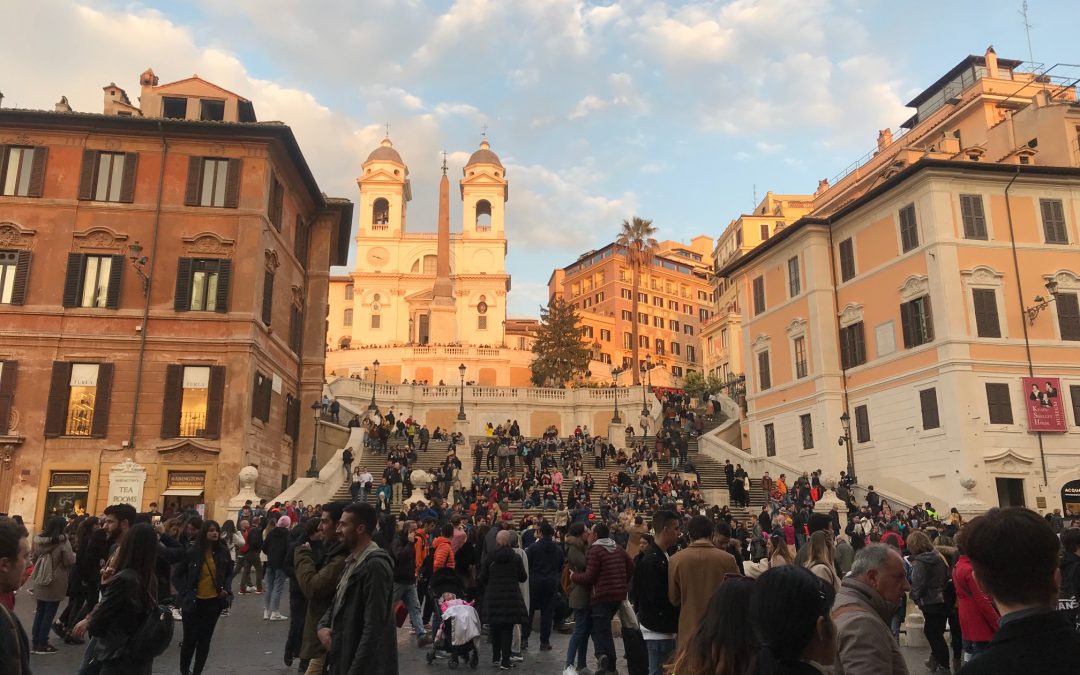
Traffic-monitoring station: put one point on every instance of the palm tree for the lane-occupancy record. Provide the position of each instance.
(636, 236)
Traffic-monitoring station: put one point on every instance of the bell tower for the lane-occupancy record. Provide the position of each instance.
(385, 191)
(483, 195)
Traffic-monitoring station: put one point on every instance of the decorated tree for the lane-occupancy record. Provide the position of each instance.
(560, 352)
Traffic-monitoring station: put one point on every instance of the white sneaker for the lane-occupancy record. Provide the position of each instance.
(278, 616)
(250, 589)
(176, 614)
(266, 615)
(570, 670)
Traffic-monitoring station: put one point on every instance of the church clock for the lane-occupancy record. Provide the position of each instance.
(378, 256)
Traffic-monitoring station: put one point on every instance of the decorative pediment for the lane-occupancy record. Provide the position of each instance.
(188, 451)
(209, 243)
(271, 260)
(100, 239)
(797, 327)
(13, 236)
(852, 313)
(914, 286)
(1006, 455)
(982, 276)
(1066, 280)
(1010, 461)
(761, 343)
(20, 138)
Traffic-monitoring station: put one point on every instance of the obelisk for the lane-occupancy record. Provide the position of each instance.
(443, 318)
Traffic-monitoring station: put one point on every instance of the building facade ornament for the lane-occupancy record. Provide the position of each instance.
(209, 243)
(797, 327)
(13, 236)
(271, 260)
(852, 313)
(914, 287)
(982, 275)
(762, 342)
(99, 239)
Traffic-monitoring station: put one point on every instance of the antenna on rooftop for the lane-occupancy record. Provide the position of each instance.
(1027, 31)
(754, 205)
(444, 163)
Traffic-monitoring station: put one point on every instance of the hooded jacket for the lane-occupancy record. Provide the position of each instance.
(576, 550)
(502, 577)
(864, 641)
(608, 569)
(928, 575)
(63, 559)
(275, 545)
(978, 618)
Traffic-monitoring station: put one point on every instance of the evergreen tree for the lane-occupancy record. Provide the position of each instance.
(560, 352)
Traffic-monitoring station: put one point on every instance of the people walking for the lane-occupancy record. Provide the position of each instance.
(84, 584)
(929, 574)
(545, 564)
(202, 593)
(347, 461)
(608, 569)
(276, 545)
(504, 607)
(355, 485)
(14, 558)
(657, 616)
(53, 560)
(867, 600)
(403, 550)
(978, 617)
(577, 543)
(233, 542)
(723, 641)
(249, 556)
(695, 573)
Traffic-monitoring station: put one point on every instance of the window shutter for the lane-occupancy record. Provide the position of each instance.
(1068, 311)
(215, 401)
(172, 401)
(928, 403)
(923, 303)
(277, 198)
(763, 369)
(74, 280)
(37, 172)
(292, 419)
(116, 276)
(3, 164)
(7, 392)
(182, 296)
(1058, 211)
(907, 325)
(859, 350)
(102, 402)
(986, 316)
(845, 348)
(56, 408)
(194, 178)
(232, 183)
(1074, 395)
(86, 174)
(224, 276)
(22, 277)
(268, 297)
(300, 242)
(998, 403)
(256, 396)
(127, 186)
(862, 424)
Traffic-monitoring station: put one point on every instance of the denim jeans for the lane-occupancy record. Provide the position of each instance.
(43, 618)
(659, 652)
(579, 641)
(89, 666)
(406, 593)
(603, 640)
(274, 583)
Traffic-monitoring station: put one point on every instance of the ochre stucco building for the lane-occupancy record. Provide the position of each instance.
(163, 284)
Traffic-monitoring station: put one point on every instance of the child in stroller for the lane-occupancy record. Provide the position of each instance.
(458, 633)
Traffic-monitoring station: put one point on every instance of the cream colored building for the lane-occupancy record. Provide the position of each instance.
(423, 303)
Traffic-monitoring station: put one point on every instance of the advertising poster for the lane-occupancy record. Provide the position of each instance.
(1042, 398)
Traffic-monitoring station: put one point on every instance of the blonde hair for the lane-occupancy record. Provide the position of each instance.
(918, 542)
(821, 550)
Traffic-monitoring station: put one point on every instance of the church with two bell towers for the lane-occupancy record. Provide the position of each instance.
(420, 302)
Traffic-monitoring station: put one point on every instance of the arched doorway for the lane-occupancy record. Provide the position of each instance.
(1070, 499)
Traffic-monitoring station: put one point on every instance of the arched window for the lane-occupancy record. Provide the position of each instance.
(348, 317)
(430, 265)
(380, 211)
(348, 292)
(483, 214)
(345, 342)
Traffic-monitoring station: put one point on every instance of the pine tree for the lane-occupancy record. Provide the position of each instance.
(560, 352)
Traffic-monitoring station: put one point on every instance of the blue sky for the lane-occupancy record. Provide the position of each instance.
(600, 110)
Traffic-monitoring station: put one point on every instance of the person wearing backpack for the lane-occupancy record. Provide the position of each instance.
(249, 555)
(202, 590)
(53, 559)
(129, 626)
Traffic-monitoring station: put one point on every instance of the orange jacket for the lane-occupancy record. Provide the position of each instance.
(421, 548)
(444, 554)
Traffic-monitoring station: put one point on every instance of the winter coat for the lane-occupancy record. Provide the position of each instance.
(88, 562)
(650, 592)
(501, 576)
(1070, 576)
(191, 569)
(864, 641)
(545, 562)
(575, 556)
(275, 546)
(1043, 642)
(444, 553)
(608, 570)
(928, 575)
(123, 605)
(694, 574)
(63, 560)
(363, 637)
(317, 581)
(404, 559)
(978, 618)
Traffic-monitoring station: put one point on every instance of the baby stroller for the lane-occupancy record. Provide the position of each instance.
(458, 633)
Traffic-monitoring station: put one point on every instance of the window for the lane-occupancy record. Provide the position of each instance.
(764, 231)
(918, 323)
(676, 349)
(676, 371)
(703, 315)
(688, 309)
(759, 295)
(702, 295)
(600, 296)
(481, 323)
(380, 211)
(673, 305)
(296, 329)
(1068, 313)
(971, 212)
(998, 403)
(1053, 218)
(268, 297)
(108, 176)
(483, 215)
(193, 401)
(909, 229)
(764, 377)
(928, 404)
(659, 346)
(276, 202)
(628, 341)
(79, 398)
(587, 331)
(376, 321)
(799, 348)
(202, 285)
(14, 273)
(688, 329)
(643, 318)
(847, 259)
(93, 280)
(300, 241)
(673, 326)
(627, 315)
(1074, 395)
(8, 370)
(691, 354)
(643, 297)
(173, 108)
(793, 280)
(347, 319)
(587, 303)
(658, 322)
(723, 338)
(658, 301)
(23, 173)
(807, 432)
(626, 294)
(986, 312)
(770, 441)
(212, 111)
(643, 341)
(862, 424)
(852, 346)
(213, 181)
(260, 397)
(348, 291)
(605, 335)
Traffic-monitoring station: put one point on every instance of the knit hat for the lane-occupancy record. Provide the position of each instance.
(284, 521)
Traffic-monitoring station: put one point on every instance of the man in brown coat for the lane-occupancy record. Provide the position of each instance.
(318, 579)
(695, 573)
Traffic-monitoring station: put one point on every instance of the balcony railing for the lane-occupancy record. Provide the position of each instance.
(79, 422)
(192, 424)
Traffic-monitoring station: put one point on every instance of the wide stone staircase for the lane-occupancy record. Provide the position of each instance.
(375, 462)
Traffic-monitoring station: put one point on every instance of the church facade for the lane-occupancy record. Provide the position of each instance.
(424, 303)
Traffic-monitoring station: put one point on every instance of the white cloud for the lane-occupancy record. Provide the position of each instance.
(587, 105)
(769, 148)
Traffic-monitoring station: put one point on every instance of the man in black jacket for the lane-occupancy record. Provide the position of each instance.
(403, 549)
(1014, 553)
(545, 565)
(659, 619)
(14, 554)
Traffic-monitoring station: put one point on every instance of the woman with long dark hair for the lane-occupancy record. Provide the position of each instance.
(790, 611)
(126, 598)
(85, 582)
(723, 643)
(53, 559)
(203, 591)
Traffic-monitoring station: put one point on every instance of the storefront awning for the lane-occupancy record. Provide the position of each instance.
(182, 492)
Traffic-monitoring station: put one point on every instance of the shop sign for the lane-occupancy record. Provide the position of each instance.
(187, 479)
(126, 482)
(74, 480)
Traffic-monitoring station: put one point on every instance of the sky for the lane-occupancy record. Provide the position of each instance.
(679, 112)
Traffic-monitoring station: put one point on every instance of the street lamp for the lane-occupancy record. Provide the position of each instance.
(845, 440)
(1041, 302)
(316, 409)
(615, 372)
(374, 381)
(139, 262)
(646, 369)
(461, 406)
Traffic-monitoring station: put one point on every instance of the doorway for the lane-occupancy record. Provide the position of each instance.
(1010, 492)
(424, 322)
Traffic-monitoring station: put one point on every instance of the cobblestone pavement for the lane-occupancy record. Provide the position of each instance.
(244, 644)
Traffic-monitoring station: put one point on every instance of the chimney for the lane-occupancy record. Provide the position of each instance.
(884, 139)
(991, 62)
(62, 105)
(822, 186)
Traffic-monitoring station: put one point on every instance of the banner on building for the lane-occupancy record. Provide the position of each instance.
(1042, 397)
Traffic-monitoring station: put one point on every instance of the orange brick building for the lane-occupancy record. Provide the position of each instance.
(163, 285)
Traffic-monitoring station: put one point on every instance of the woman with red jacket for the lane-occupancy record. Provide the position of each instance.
(978, 618)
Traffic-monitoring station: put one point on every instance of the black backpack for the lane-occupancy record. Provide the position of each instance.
(153, 636)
